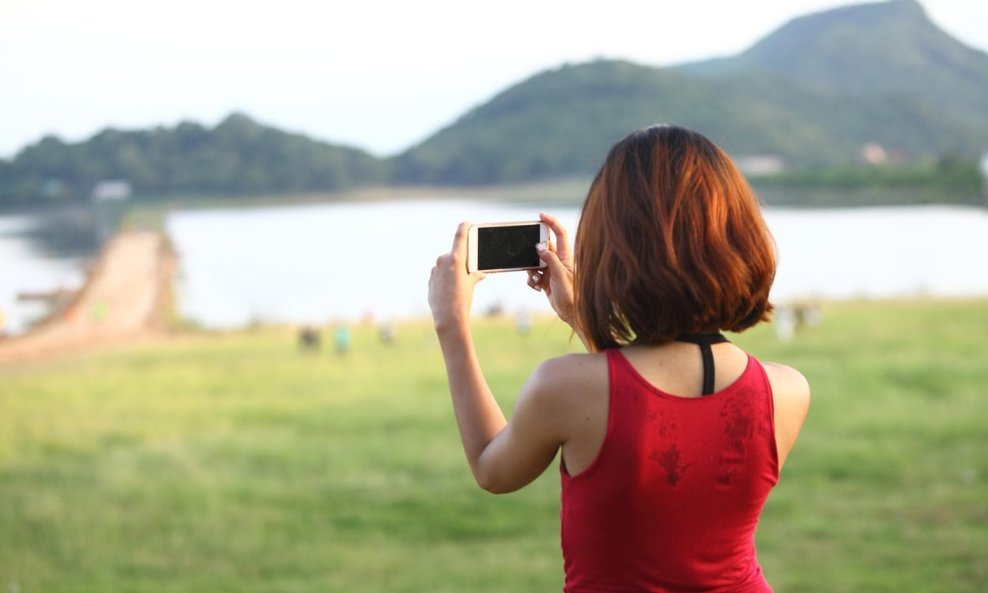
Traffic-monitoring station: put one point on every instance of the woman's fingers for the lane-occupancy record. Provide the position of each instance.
(450, 285)
(551, 257)
(536, 280)
(533, 281)
(562, 237)
(460, 240)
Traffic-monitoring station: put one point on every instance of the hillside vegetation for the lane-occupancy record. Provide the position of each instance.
(237, 157)
(811, 93)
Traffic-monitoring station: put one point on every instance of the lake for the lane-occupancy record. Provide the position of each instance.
(28, 267)
(346, 261)
(316, 263)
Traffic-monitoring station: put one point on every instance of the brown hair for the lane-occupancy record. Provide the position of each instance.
(671, 241)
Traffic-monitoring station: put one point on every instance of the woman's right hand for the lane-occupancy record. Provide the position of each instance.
(556, 278)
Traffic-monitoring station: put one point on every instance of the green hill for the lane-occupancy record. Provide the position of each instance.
(239, 156)
(812, 92)
(562, 122)
(889, 48)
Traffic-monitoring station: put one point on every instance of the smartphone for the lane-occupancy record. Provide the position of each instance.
(505, 246)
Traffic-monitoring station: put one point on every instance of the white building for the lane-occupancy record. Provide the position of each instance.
(760, 164)
(111, 189)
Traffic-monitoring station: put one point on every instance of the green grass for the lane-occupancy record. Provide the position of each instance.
(232, 462)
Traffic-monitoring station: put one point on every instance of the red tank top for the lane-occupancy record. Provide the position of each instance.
(671, 502)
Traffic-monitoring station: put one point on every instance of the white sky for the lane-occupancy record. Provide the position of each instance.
(377, 74)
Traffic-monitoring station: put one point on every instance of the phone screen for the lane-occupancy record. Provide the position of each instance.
(501, 247)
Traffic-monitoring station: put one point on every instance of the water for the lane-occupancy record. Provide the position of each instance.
(26, 266)
(881, 252)
(317, 263)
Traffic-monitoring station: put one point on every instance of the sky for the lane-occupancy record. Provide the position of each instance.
(375, 74)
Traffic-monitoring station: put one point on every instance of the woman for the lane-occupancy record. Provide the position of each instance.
(671, 436)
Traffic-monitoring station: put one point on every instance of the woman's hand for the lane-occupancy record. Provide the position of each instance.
(556, 279)
(450, 286)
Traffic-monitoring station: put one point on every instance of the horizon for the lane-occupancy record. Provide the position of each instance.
(283, 80)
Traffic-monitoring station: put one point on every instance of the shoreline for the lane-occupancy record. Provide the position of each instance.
(564, 191)
(127, 294)
(144, 272)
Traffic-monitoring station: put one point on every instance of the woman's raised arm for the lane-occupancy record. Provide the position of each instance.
(502, 457)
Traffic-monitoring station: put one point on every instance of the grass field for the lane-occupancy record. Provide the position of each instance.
(232, 462)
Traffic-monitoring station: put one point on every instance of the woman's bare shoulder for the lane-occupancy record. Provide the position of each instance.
(570, 395)
(786, 378)
(574, 368)
(571, 375)
(789, 387)
(791, 399)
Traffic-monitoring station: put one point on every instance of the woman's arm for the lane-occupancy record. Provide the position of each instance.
(791, 397)
(502, 456)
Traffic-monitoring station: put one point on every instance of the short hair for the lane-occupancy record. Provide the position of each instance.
(671, 241)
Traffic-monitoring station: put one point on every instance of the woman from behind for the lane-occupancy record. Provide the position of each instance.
(671, 436)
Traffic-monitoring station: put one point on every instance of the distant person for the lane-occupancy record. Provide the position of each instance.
(785, 324)
(342, 340)
(671, 436)
(523, 322)
(386, 333)
(309, 339)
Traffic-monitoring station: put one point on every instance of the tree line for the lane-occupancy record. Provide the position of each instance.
(237, 157)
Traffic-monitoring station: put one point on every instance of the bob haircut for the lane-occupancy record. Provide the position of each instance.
(671, 241)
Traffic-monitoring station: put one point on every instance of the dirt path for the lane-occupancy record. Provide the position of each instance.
(125, 297)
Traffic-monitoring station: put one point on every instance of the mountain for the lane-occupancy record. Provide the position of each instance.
(888, 48)
(563, 121)
(812, 92)
(239, 156)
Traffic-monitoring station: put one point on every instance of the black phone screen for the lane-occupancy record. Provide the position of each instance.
(502, 247)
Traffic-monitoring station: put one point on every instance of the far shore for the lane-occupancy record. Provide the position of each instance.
(566, 192)
(573, 191)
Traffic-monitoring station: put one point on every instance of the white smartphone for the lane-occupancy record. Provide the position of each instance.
(505, 246)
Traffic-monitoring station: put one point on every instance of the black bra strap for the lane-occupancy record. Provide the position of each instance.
(705, 341)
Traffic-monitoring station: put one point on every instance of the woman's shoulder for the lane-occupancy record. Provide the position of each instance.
(786, 379)
(791, 400)
(574, 367)
(568, 391)
(790, 389)
(570, 375)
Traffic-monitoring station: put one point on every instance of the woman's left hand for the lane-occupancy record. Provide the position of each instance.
(451, 286)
